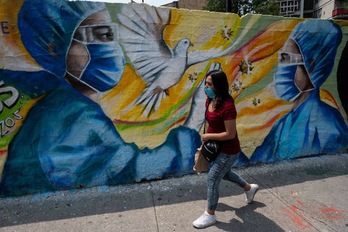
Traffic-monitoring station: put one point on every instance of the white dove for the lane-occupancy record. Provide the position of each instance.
(160, 67)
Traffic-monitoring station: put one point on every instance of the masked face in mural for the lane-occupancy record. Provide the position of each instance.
(291, 77)
(95, 58)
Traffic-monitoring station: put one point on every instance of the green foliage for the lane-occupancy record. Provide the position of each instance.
(242, 7)
(266, 7)
(345, 4)
(216, 5)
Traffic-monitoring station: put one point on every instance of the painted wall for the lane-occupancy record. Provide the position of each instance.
(94, 97)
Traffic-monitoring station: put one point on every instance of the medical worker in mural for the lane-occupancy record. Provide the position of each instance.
(342, 82)
(66, 140)
(312, 126)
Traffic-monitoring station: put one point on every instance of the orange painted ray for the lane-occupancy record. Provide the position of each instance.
(262, 46)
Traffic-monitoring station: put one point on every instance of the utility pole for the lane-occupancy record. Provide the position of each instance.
(301, 8)
(228, 5)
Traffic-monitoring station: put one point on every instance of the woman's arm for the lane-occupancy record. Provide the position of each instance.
(230, 133)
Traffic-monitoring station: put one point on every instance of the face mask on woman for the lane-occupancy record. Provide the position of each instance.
(210, 93)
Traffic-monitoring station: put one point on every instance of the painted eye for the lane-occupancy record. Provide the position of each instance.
(284, 57)
(103, 33)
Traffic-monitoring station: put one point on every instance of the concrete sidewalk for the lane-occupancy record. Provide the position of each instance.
(308, 194)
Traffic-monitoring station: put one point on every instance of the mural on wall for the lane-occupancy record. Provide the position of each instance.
(103, 94)
(305, 62)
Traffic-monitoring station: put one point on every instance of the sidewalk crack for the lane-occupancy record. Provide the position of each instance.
(154, 206)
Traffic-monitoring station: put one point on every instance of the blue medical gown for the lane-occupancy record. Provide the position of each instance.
(66, 141)
(313, 128)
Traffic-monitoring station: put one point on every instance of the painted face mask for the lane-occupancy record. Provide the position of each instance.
(106, 60)
(285, 76)
(210, 93)
(285, 82)
(106, 66)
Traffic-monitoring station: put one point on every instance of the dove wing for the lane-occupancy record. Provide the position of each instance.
(141, 32)
(201, 56)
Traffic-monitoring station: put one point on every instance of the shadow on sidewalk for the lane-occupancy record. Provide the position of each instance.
(248, 220)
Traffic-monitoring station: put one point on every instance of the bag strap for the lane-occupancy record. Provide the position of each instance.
(205, 115)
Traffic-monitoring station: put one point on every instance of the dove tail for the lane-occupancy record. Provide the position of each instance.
(151, 100)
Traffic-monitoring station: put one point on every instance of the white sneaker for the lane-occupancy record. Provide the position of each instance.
(204, 221)
(251, 193)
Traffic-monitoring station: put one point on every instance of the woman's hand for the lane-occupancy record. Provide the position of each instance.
(204, 137)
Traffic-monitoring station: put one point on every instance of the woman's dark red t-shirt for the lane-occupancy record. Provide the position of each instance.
(226, 111)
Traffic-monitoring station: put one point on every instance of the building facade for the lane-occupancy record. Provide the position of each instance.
(330, 9)
(293, 8)
(323, 9)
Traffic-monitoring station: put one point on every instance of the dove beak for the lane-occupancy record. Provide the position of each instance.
(191, 44)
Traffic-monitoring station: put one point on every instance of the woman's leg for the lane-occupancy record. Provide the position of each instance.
(250, 189)
(235, 178)
(221, 166)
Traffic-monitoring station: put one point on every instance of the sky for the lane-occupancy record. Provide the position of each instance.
(150, 2)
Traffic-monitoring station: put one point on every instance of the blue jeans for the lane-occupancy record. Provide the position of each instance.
(221, 169)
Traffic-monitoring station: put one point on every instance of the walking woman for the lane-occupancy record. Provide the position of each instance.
(221, 126)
